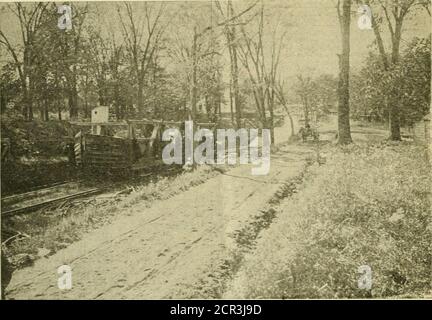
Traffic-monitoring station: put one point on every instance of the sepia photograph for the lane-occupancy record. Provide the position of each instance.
(238, 150)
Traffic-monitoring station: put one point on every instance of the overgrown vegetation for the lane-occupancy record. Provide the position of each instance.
(37, 154)
(369, 205)
(33, 139)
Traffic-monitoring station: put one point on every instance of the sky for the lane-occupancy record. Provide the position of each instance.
(312, 39)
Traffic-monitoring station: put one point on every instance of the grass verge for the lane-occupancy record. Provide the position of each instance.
(368, 205)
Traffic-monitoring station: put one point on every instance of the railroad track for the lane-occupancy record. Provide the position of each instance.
(33, 200)
(29, 192)
(62, 191)
(59, 192)
(39, 205)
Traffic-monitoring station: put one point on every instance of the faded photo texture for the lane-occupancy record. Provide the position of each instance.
(262, 149)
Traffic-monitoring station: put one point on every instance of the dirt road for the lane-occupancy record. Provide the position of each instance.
(174, 249)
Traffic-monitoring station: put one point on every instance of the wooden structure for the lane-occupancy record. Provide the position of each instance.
(101, 151)
(132, 144)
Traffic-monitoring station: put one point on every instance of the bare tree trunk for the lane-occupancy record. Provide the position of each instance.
(45, 108)
(3, 102)
(86, 110)
(118, 110)
(237, 103)
(41, 112)
(306, 109)
(231, 101)
(232, 38)
(26, 100)
(30, 109)
(291, 121)
(394, 101)
(72, 100)
(394, 119)
(271, 118)
(140, 95)
(29, 100)
(344, 131)
(101, 98)
(281, 98)
(194, 76)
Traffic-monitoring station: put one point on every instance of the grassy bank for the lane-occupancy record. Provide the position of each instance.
(368, 205)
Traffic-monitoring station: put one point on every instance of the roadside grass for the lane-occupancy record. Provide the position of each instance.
(50, 230)
(370, 204)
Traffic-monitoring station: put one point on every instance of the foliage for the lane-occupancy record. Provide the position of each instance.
(9, 86)
(318, 95)
(132, 71)
(410, 79)
(415, 80)
(31, 139)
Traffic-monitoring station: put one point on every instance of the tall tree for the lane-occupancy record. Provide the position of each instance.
(252, 57)
(272, 75)
(142, 39)
(305, 89)
(344, 131)
(71, 48)
(395, 13)
(195, 52)
(281, 96)
(30, 17)
(232, 43)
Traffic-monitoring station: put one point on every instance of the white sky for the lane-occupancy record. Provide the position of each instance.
(313, 35)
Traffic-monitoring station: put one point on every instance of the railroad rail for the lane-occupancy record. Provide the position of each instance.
(33, 200)
(13, 197)
(39, 205)
(58, 192)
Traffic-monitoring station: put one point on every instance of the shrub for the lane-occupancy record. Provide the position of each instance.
(33, 138)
